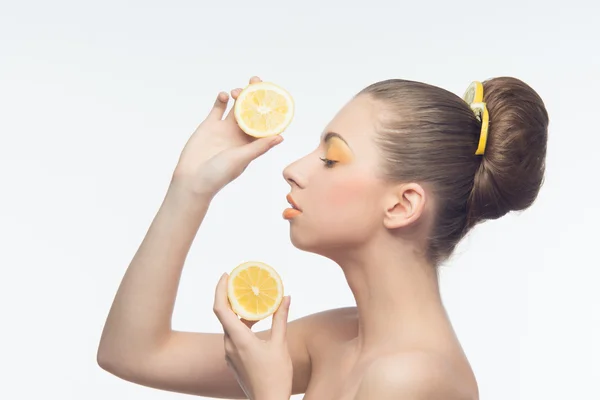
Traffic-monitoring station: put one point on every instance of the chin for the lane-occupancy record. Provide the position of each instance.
(323, 243)
(302, 242)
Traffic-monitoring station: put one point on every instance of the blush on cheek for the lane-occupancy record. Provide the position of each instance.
(342, 194)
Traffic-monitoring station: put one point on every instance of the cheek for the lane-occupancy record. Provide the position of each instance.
(342, 195)
(347, 216)
(348, 194)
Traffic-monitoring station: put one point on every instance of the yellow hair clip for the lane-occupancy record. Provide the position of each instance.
(474, 98)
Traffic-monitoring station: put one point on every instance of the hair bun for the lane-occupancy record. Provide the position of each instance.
(512, 168)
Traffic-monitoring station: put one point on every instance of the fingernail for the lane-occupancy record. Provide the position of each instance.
(277, 140)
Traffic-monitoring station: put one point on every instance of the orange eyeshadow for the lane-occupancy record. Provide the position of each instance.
(338, 151)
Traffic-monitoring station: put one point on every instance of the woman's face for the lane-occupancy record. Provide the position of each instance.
(336, 187)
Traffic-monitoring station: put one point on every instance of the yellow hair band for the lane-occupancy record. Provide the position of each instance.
(474, 98)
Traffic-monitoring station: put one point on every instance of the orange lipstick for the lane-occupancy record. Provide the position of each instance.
(292, 212)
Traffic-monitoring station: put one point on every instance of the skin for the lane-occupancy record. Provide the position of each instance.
(396, 343)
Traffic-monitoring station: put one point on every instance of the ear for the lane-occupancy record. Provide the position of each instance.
(404, 205)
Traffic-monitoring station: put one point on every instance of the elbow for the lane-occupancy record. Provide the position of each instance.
(109, 357)
(105, 360)
(123, 358)
(114, 365)
(120, 363)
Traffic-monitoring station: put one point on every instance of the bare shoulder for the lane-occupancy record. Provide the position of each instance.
(335, 324)
(333, 316)
(323, 330)
(414, 376)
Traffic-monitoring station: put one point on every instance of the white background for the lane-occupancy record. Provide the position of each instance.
(97, 100)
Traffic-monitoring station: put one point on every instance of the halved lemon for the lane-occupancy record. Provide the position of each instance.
(255, 290)
(474, 93)
(264, 109)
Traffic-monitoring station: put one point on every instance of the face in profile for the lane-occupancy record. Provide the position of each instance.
(337, 187)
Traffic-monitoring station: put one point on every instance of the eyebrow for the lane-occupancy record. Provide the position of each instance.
(331, 135)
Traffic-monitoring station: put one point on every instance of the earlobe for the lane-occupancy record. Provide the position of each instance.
(405, 206)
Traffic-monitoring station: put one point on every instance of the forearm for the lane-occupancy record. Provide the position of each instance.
(140, 317)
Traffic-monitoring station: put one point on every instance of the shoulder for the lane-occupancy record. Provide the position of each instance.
(413, 376)
(335, 315)
(338, 324)
(310, 332)
(321, 330)
(346, 319)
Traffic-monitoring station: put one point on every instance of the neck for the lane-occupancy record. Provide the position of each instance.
(397, 296)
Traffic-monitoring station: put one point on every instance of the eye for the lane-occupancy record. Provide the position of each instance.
(328, 163)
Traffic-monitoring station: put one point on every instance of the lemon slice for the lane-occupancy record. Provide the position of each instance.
(474, 93)
(255, 290)
(264, 109)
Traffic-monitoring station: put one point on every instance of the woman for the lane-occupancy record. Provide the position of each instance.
(399, 176)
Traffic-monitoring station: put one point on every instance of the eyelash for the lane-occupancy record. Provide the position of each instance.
(328, 163)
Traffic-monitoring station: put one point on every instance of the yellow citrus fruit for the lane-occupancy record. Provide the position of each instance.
(264, 109)
(474, 93)
(255, 290)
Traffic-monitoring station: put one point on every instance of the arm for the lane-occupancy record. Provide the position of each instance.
(138, 343)
(144, 302)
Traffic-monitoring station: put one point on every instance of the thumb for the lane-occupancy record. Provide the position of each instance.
(279, 323)
(257, 148)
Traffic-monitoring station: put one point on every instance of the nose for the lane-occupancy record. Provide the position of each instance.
(292, 176)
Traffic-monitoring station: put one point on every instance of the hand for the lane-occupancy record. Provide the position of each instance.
(263, 368)
(219, 151)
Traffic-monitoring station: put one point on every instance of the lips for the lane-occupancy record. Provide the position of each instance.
(291, 213)
(292, 202)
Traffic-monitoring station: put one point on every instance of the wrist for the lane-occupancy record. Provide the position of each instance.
(182, 197)
(186, 185)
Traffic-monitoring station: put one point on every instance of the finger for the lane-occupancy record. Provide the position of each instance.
(231, 323)
(255, 79)
(219, 107)
(245, 154)
(234, 95)
(249, 324)
(280, 318)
